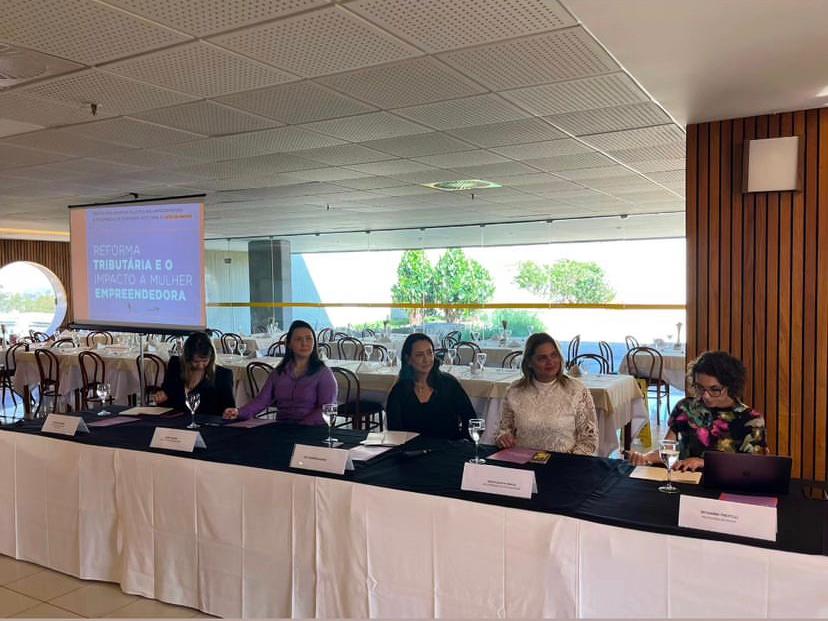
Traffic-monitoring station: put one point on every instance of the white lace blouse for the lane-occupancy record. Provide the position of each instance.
(551, 416)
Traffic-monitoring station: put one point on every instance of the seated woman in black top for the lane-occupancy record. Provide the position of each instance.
(424, 399)
(200, 373)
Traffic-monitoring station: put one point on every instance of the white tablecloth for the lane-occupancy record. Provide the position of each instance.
(674, 371)
(242, 542)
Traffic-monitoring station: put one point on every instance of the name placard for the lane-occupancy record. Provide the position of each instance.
(64, 425)
(184, 440)
(321, 459)
(729, 518)
(499, 480)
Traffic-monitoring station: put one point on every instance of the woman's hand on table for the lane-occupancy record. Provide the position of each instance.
(230, 414)
(643, 459)
(691, 464)
(506, 440)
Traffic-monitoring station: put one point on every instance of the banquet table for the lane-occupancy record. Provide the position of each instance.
(674, 370)
(618, 401)
(233, 531)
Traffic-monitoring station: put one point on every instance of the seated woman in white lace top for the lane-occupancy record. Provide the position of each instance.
(547, 409)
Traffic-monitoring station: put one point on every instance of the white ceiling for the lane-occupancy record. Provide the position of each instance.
(306, 116)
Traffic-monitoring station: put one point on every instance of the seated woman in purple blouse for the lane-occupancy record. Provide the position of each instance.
(299, 386)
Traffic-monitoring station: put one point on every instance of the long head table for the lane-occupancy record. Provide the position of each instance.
(233, 531)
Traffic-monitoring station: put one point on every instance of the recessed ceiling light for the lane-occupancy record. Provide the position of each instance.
(462, 184)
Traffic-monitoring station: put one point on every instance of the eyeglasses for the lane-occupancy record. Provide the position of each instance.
(713, 391)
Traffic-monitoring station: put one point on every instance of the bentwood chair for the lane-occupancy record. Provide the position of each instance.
(368, 333)
(257, 373)
(606, 351)
(324, 348)
(48, 367)
(451, 339)
(358, 412)
(512, 360)
(276, 349)
(325, 335)
(584, 360)
(155, 369)
(379, 353)
(350, 348)
(647, 364)
(466, 352)
(572, 348)
(631, 342)
(99, 336)
(39, 337)
(64, 342)
(230, 342)
(93, 374)
(7, 372)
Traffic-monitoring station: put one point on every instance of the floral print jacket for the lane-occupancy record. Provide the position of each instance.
(739, 429)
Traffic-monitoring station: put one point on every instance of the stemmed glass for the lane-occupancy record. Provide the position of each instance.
(475, 335)
(102, 390)
(242, 348)
(476, 428)
(669, 454)
(481, 360)
(329, 416)
(451, 355)
(193, 400)
(368, 349)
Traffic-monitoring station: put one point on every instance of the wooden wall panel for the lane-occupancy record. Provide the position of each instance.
(758, 277)
(52, 255)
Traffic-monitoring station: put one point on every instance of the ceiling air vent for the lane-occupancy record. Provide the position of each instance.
(462, 184)
(19, 65)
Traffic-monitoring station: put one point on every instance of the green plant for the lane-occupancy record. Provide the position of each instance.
(565, 281)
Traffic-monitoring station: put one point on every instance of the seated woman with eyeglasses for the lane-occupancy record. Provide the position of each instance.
(547, 409)
(714, 419)
(425, 399)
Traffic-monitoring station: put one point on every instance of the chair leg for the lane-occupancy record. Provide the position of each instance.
(658, 405)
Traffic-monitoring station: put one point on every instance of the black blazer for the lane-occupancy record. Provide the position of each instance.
(215, 397)
(445, 415)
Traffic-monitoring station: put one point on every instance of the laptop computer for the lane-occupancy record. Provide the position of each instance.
(768, 475)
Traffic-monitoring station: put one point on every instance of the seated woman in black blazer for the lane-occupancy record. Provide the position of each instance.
(424, 399)
(199, 373)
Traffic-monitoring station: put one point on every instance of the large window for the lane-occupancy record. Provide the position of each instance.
(31, 298)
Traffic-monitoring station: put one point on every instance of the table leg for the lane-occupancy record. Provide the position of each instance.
(27, 402)
(627, 436)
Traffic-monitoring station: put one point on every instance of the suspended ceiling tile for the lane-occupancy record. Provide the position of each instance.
(297, 102)
(616, 118)
(539, 59)
(391, 167)
(465, 112)
(131, 133)
(586, 174)
(371, 183)
(250, 166)
(64, 142)
(668, 176)
(343, 155)
(547, 148)
(371, 126)
(200, 69)
(43, 112)
(575, 95)
(493, 172)
(331, 173)
(632, 138)
(147, 158)
(465, 158)
(84, 31)
(571, 162)
(406, 83)
(432, 143)
(673, 150)
(436, 25)
(508, 133)
(648, 166)
(207, 118)
(329, 40)
(205, 17)
(113, 94)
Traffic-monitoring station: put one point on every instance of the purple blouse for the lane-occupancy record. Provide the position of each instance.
(298, 399)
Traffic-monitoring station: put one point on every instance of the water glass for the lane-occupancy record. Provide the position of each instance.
(329, 411)
(476, 428)
(103, 390)
(368, 349)
(451, 356)
(193, 400)
(481, 360)
(669, 453)
(242, 348)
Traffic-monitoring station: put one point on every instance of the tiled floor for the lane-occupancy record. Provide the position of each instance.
(33, 592)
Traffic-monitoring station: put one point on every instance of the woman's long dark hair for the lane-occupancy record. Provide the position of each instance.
(532, 344)
(198, 344)
(314, 363)
(407, 372)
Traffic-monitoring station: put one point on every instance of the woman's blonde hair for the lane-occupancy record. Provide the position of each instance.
(532, 344)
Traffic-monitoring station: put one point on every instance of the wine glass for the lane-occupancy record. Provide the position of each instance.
(475, 335)
(368, 349)
(476, 428)
(669, 454)
(102, 390)
(481, 360)
(193, 400)
(242, 348)
(329, 416)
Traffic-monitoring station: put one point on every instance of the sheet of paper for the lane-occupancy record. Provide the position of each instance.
(514, 455)
(112, 421)
(389, 438)
(146, 410)
(250, 423)
(364, 453)
(654, 473)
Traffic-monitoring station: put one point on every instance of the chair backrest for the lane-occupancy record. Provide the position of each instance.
(451, 339)
(11, 356)
(645, 362)
(368, 332)
(230, 342)
(512, 360)
(348, 385)
(99, 336)
(93, 371)
(214, 333)
(379, 353)
(583, 359)
(155, 370)
(48, 366)
(39, 337)
(276, 349)
(631, 342)
(324, 348)
(67, 342)
(257, 373)
(325, 335)
(440, 354)
(466, 351)
(350, 348)
(606, 352)
(572, 348)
